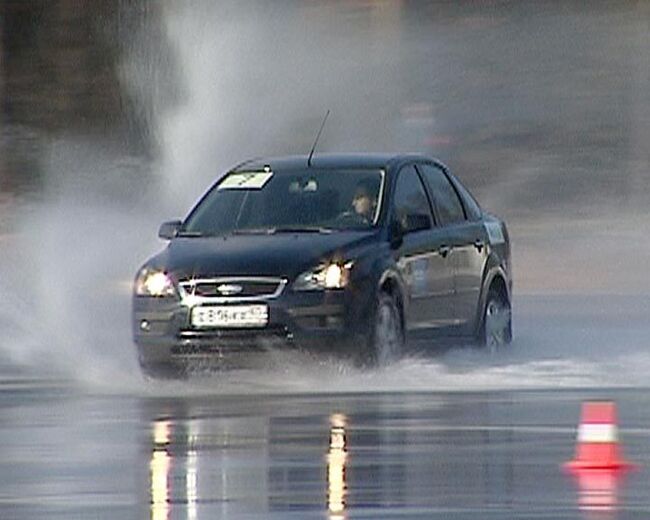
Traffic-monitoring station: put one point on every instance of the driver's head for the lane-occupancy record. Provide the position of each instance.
(365, 198)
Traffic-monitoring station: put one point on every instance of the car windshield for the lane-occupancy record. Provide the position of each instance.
(310, 201)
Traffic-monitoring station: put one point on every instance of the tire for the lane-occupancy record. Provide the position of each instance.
(162, 370)
(496, 327)
(385, 341)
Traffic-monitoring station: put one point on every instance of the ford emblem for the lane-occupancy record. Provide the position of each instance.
(227, 289)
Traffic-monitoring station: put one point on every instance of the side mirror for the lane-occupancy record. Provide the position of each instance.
(169, 230)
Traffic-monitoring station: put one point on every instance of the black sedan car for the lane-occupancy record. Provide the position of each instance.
(361, 254)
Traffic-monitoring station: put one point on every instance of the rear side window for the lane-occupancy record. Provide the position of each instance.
(411, 204)
(472, 208)
(450, 209)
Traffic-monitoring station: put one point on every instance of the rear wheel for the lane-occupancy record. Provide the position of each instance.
(385, 341)
(496, 331)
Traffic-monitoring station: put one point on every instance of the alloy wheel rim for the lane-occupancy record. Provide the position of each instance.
(497, 319)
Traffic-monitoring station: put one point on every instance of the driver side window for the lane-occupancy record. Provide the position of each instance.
(411, 206)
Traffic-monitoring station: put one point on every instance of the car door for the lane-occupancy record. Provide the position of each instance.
(467, 242)
(422, 258)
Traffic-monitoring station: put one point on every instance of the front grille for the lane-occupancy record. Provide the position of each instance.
(233, 289)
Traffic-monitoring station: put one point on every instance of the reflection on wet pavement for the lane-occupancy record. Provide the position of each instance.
(160, 466)
(336, 458)
(413, 455)
(598, 492)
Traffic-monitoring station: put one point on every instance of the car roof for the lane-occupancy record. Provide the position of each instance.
(331, 161)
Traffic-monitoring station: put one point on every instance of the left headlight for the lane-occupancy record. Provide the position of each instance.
(153, 283)
(328, 276)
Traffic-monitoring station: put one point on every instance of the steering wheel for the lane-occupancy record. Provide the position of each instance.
(350, 219)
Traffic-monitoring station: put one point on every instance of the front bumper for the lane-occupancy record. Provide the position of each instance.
(314, 320)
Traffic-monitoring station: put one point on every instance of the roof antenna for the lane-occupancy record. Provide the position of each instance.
(316, 141)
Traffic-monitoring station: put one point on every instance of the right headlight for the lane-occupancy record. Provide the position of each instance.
(333, 275)
(153, 282)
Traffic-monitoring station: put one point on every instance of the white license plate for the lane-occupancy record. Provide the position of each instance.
(230, 316)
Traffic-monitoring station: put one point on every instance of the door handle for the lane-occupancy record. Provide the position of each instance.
(443, 251)
(479, 244)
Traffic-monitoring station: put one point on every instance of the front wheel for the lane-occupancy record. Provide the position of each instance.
(160, 371)
(159, 367)
(385, 340)
(496, 330)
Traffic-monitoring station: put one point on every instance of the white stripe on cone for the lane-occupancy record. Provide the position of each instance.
(597, 433)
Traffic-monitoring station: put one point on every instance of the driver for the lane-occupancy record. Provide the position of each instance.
(364, 201)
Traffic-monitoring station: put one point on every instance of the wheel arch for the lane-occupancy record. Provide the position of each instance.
(390, 283)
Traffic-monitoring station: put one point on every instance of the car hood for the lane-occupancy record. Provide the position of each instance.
(284, 255)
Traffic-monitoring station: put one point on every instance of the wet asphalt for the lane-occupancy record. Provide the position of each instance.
(65, 453)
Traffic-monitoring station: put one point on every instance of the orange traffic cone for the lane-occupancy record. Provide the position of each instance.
(597, 444)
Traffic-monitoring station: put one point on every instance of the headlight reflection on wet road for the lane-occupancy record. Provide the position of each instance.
(336, 460)
(160, 467)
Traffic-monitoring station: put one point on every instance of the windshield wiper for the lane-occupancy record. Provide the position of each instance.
(253, 231)
(260, 231)
(302, 229)
(281, 229)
